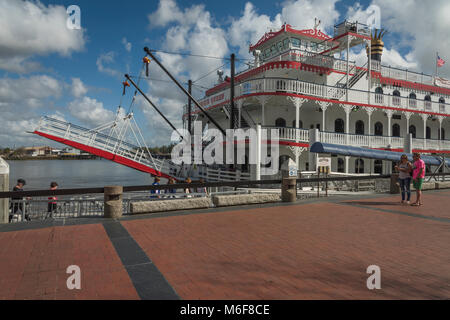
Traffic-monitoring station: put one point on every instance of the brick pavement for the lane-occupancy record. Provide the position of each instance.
(304, 251)
(33, 264)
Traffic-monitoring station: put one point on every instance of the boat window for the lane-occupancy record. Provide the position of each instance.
(267, 53)
(359, 127)
(428, 132)
(378, 129)
(396, 130)
(274, 50)
(412, 130)
(295, 43)
(280, 46)
(286, 44)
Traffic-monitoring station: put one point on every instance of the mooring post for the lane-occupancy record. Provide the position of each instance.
(4, 186)
(289, 190)
(113, 202)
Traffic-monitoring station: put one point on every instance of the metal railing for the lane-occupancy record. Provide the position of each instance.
(92, 138)
(372, 141)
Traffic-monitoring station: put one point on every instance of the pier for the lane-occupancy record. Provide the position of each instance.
(309, 249)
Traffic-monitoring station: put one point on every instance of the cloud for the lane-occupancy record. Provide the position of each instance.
(107, 58)
(90, 112)
(167, 12)
(417, 30)
(22, 102)
(251, 26)
(78, 89)
(16, 94)
(126, 44)
(30, 28)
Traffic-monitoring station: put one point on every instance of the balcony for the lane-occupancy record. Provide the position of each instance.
(278, 85)
(370, 141)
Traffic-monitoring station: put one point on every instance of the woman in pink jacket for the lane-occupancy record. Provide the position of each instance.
(418, 177)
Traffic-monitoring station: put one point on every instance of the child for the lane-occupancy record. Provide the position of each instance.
(418, 177)
(52, 205)
(155, 183)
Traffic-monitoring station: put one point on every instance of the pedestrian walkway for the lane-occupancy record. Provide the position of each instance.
(314, 249)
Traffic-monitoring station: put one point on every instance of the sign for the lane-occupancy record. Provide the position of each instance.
(324, 162)
(292, 167)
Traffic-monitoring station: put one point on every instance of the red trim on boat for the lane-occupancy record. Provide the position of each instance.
(104, 154)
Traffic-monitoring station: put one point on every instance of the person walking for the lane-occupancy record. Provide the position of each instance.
(52, 204)
(418, 177)
(404, 169)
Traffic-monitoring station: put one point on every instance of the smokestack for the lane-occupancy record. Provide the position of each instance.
(376, 44)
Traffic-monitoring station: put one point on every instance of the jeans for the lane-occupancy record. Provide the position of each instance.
(405, 187)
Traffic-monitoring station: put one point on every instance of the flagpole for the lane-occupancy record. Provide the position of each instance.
(436, 62)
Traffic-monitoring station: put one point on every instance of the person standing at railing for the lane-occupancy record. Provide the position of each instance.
(404, 169)
(52, 205)
(418, 177)
(16, 202)
(202, 189)
(188, 191)
(156, 182)
(171, 192)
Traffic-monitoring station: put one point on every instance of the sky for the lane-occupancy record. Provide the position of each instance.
(76, 75)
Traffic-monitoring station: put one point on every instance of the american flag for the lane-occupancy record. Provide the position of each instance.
(440, 61)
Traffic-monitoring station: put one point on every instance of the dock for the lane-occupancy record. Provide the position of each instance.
(311, 249)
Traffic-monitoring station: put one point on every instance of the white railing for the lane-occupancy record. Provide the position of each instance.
(406, 75)
(371, 141)
(334, 93)
(124, 149)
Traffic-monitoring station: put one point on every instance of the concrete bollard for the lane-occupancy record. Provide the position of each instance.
(395, 187)
(113, 202)
(4, 186)
(289, 190)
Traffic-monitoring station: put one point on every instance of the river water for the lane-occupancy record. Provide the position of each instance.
(75, 174)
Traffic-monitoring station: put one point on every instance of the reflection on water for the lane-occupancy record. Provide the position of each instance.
(75, 174)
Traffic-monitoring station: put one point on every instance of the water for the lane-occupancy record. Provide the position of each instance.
(75, 174)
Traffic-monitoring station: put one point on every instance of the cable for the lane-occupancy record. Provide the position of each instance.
(202, 77)
(198, 55)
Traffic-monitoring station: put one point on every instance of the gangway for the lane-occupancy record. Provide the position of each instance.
(110, 141)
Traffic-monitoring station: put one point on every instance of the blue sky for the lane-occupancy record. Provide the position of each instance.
(83, 69)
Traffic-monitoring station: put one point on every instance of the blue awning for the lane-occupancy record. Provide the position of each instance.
(319, 147)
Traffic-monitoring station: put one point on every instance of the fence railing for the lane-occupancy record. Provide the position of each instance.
(372, 141)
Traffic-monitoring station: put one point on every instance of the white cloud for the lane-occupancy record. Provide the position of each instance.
(28, 92)
(30, 28)
(90, 111)
(167, 12)
(419, 28)
(126, 44)
(78, 89)
(251, 26)
(107, 58)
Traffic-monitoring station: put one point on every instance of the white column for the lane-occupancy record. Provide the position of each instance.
(424, 118)
(348, 67)
(323, 118)
(258, 152)
(4, 186)
(440, 118)
(297, 115)
(389, 115)
(369, 76)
